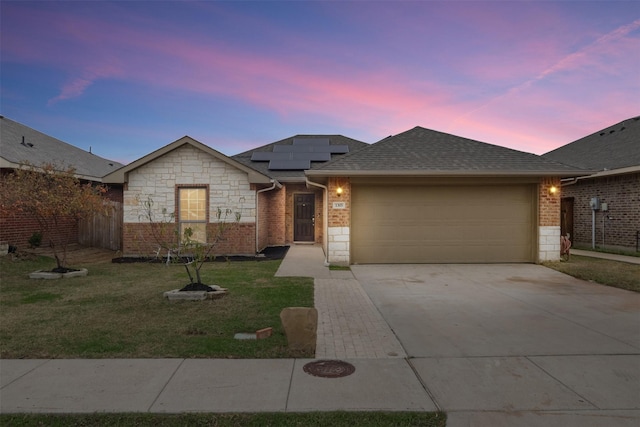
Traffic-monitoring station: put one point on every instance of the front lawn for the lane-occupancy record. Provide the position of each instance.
(606, 272)
(118, 311)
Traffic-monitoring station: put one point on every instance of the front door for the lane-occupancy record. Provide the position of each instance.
(304, 220)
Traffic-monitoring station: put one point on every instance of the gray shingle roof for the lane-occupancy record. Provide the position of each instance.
(421, 151)
(294, 175)
(615, 147)
(39, 148)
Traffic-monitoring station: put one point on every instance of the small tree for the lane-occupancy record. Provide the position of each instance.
(184, 248)
(52, 195)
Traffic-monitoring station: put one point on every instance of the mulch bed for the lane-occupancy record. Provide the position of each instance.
(268, 254)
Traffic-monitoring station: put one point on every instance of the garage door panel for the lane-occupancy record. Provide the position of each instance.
(415, 224)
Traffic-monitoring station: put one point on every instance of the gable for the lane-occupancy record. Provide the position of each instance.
(121, 175)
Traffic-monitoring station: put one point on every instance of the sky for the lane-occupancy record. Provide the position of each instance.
(125, 78)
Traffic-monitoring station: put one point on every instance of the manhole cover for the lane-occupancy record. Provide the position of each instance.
(329, 368)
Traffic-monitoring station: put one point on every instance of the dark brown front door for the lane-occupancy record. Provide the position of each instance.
(304, 221)
(566, 217)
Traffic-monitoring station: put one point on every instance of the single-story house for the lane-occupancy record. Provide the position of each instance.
(266, 186)
(20, 144)
(603, 209)
(418, 197)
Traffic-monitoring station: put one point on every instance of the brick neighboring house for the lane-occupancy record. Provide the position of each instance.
(20, 144)
(613, 154)
(265, 185)
(424, 196)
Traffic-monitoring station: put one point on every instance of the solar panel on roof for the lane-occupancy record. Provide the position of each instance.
(289, 164)
(314, 157)
(311, 141)
(300, 154)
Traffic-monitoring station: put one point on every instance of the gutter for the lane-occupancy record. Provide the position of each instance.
(274, 184)
(599, 174)
(443, 173)
(325, 219)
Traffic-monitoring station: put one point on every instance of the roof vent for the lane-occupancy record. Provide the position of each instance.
(612, 131)
(601, 133)
(26, 144)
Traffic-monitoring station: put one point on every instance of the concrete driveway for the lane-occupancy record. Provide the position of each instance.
(514, 344)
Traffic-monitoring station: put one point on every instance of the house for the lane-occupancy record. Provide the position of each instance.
(265, 186)
(603, 208)
(428, 197)
(420, 196)
(19, 145)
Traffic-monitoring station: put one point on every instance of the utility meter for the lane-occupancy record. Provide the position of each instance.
(595, 203)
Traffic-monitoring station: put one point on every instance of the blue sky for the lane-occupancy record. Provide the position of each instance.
(126, 78)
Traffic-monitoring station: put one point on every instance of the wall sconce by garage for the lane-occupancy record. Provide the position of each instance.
(553, 190)
(339, 191)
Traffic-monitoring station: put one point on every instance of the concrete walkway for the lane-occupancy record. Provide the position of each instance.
(349, 325)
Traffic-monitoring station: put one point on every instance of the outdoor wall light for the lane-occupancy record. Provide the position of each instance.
(553, 190)
(339, 191)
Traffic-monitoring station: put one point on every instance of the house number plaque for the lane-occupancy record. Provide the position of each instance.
(339, 205)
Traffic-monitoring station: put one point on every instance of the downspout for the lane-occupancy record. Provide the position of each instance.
(274, 184)
(325, 219)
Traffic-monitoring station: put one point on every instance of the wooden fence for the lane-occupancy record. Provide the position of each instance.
(103, 231)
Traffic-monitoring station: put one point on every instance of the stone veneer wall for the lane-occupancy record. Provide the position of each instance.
(549, 220)
(229, 188)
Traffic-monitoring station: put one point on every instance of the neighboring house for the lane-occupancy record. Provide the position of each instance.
(418, 197)
(20, 144)
(603, 209)
(265, 185)
(428, 197)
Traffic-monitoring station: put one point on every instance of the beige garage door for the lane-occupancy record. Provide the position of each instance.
(442, 224)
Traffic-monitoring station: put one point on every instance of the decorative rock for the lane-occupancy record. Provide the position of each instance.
(40, 274)
(178, 295)
(300, 326)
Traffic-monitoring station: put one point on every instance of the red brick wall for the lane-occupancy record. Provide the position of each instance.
(621, 221)
(17, 230)
(549, 203)
(339, 217)
(238, 239)
(274, 216)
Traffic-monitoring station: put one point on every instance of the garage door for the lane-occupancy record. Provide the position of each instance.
(442, 224)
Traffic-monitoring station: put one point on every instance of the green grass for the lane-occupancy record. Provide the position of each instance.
(310, 419)
(118, 311)
(606, 272)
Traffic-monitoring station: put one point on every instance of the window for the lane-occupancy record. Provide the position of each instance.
(192, 212)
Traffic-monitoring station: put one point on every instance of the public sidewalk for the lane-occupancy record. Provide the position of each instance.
(603, 255)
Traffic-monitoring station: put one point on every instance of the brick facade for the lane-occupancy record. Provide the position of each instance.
(339, 222)
(617, 227)
(17, 230)
(549, 220)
